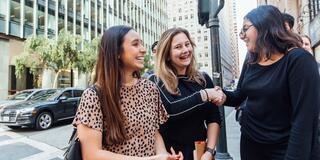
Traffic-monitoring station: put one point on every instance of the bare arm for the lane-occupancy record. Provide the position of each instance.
(91, 146)
(160, 147)
(212, 134)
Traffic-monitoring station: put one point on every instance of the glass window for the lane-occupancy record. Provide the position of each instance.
(70, 14)
(3, 9)
(67, 94)
(77, 93)
(15, 10)
(28, 13)
(93, 13)
(86, 9)
(41, 20)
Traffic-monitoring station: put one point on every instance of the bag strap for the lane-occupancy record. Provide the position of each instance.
(74, 134)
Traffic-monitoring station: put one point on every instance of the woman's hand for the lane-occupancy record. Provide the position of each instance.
(167, 156)
(216, 95)
(207, 156)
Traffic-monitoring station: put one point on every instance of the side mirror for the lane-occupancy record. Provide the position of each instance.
(62, 98)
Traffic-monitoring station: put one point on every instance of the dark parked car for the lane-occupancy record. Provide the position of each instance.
(43, 110)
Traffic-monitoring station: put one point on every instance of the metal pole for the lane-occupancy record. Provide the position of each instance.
(213, 24)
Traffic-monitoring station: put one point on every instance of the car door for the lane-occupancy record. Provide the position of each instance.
(77, 95)
(66, 104)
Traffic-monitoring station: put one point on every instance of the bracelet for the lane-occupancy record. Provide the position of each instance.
(207, 94)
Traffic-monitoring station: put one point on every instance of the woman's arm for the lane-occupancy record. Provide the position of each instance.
(91, 146)
(178, 107)
(212, 134)
(161, 149)
(303, 79)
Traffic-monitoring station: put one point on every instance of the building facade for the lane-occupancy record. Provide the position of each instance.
(307, 18)
(184, 13)
(20, 19)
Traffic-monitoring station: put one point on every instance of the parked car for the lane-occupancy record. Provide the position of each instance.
(43, 110)
(20, 96)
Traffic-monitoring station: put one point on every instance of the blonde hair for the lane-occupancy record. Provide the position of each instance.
(165, 70)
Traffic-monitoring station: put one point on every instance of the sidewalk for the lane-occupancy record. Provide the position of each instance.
(233, 136)
(14, 146)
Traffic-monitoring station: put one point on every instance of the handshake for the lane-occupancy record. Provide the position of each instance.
(214, 95)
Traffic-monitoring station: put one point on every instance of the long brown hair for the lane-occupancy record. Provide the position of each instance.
(165, 70)
(108, 82)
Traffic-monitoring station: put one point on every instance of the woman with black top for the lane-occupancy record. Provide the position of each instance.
(280, 83)
(186, 94)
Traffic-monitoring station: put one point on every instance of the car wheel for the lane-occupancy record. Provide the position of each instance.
(14, 127)
(44, 121)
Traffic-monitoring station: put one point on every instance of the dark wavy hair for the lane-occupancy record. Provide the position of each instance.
(272, 35)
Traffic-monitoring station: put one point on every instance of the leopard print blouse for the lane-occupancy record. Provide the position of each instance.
(143, 109)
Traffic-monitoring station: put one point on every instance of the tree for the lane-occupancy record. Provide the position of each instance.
(148, 65)
(56, 55)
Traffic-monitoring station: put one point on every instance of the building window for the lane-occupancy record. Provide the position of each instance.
(199, 31)
(191, 16)
(15, 11)
(205, 38)
(206, 54)
(174, 19)
(180, 18)
(206, 64)
(180, 10)
(186, 17)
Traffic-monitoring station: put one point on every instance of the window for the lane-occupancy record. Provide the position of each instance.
(191, 16)
(15, 10)
(180, 18)
(67, 94)
(186, 17)
(199, 31)
(205, 38)
(77, 93)
(180, 10)
(206, 54)
(174, 19)
(206, 64)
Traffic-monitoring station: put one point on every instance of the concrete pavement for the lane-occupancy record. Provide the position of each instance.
(48, 147)
(233, 136)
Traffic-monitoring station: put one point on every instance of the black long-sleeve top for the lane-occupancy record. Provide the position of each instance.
(187, 112)
(283, 101)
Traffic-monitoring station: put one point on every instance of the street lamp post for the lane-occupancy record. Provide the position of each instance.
(209, 16)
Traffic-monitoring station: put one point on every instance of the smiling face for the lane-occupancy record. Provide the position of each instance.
(306, 44)
(181, 53)
(133, 53)
(249, 35)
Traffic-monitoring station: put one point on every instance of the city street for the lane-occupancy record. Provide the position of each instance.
(30, 144)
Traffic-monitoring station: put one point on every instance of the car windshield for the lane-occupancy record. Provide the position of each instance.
(44, 95)
(21, 95)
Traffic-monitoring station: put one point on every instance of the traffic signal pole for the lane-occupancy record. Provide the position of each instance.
(213, 24)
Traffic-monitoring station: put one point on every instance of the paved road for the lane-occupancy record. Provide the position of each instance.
(29, 144)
